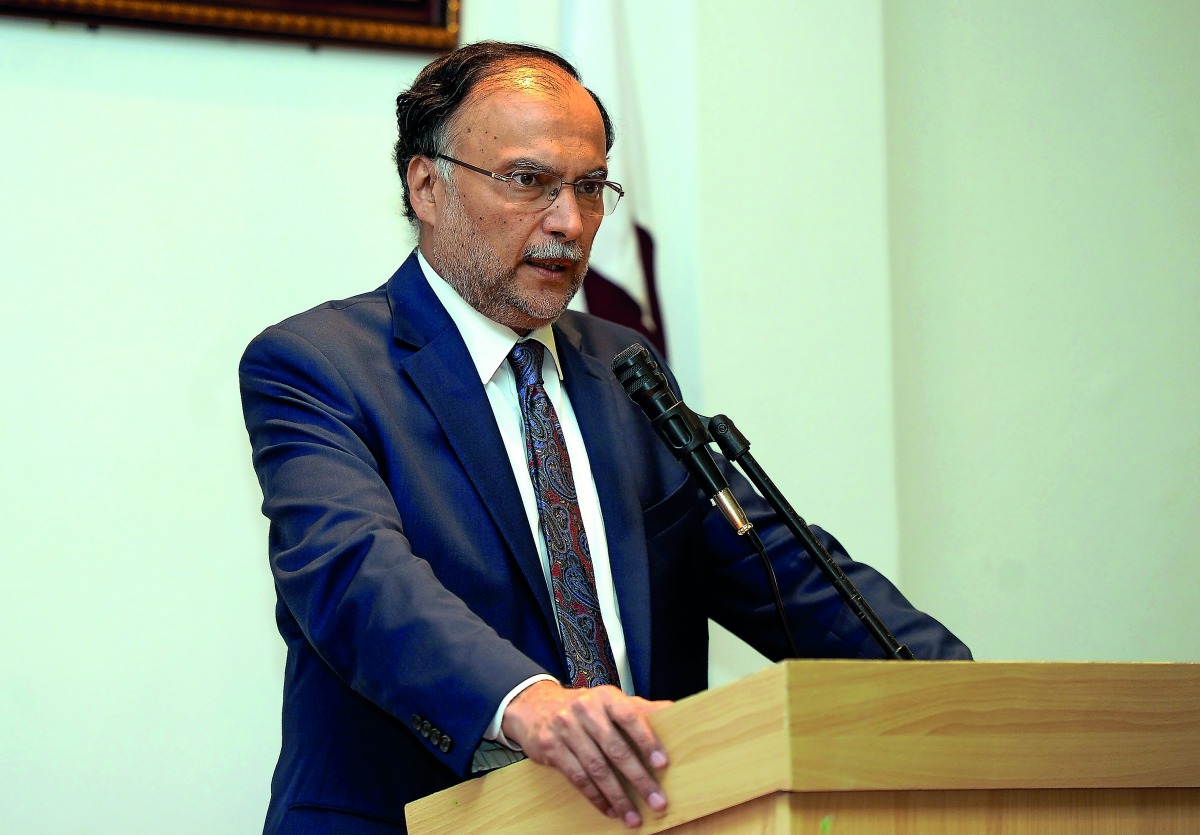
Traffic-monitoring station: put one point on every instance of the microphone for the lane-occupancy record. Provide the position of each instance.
(679, 428)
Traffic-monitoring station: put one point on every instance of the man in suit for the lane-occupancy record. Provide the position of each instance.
(431, 455)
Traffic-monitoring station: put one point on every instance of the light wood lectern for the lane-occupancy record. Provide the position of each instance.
(841, 747)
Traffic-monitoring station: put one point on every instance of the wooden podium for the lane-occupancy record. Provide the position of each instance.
(841, 747)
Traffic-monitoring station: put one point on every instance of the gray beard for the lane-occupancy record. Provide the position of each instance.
(474, 270)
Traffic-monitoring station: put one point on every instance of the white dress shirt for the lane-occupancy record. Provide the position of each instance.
(489, 344)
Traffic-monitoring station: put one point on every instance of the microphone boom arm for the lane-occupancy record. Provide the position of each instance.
(736, 448)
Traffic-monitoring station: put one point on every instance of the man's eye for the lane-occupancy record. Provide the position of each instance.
(525, 179)
(589, 188)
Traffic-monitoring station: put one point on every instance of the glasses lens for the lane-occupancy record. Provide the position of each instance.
(611, 197)
(594, 197)
(532, 186)
(589, 194)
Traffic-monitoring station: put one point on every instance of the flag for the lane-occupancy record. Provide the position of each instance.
(620, 285)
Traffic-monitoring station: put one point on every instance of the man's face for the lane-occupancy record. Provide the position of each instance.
(518, 265)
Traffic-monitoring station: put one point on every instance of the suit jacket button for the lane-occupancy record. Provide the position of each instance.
(445, 746)
(416, 722)
(425, 726)
(435, 736)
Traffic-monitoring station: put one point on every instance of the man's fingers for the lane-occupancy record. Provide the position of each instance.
(555, 744)
(628, 764)
(598, 766)
(568, 744)
(596, 738)
(578, 775)
(630, 717)
(610, 756)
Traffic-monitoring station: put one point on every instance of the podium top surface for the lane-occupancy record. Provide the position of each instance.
(819, 726)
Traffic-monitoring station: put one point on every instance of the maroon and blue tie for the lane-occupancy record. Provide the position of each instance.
(585, 642)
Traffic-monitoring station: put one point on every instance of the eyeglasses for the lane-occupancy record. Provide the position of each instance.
(526, 187)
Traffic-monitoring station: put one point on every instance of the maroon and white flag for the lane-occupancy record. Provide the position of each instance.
(620, 284)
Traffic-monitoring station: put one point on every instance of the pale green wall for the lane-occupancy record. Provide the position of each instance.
(793, 281)
(165, 197)
(1044, 163)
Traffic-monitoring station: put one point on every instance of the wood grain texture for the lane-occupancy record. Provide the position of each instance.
(993, 725)
(959, 745)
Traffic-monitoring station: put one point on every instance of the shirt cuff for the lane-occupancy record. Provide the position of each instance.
(494, 733)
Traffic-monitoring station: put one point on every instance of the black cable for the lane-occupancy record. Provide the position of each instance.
(757, 542)
(736, 448)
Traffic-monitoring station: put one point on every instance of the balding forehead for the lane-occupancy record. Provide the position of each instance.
(531, 76)
(536, 79)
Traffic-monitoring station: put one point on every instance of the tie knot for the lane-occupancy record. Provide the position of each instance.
(526, 361)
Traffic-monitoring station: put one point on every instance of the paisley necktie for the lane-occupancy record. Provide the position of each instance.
(585, 642)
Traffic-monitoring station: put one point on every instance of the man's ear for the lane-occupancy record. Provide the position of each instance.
(422, 181)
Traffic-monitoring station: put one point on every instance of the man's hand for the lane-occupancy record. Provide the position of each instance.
(591, 736)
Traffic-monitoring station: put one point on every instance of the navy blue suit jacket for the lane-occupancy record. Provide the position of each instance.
(410, 594)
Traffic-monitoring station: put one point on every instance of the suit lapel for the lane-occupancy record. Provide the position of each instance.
(599, 410)
(440, 368)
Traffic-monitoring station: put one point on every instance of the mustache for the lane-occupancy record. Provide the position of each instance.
(555, 249)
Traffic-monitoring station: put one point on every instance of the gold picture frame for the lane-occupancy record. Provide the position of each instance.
(401, 24)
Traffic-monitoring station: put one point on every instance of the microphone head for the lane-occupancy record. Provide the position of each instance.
(633, 350)
(634, 369)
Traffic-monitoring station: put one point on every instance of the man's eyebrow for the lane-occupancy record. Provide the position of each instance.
(528, 164)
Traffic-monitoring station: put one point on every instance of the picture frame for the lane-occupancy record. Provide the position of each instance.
(399, 24)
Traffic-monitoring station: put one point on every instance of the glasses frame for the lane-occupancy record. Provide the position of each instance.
(508, 178)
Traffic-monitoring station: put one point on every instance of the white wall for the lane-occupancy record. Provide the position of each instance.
(1045, 224)
(793, 280)
(1024, 319)
(164, 199)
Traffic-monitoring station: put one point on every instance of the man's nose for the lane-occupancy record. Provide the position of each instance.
(563, 217)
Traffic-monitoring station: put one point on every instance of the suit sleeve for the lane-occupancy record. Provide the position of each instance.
(345, 572)
(738, 595)
(822, 624)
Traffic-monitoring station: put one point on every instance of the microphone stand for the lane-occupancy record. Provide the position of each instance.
(736, 448)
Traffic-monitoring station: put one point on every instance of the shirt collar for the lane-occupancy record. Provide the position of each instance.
(488, 342)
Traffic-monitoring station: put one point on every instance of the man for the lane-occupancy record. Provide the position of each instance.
(468, 516)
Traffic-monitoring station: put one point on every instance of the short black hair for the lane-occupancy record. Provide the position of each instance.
(424, 111)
